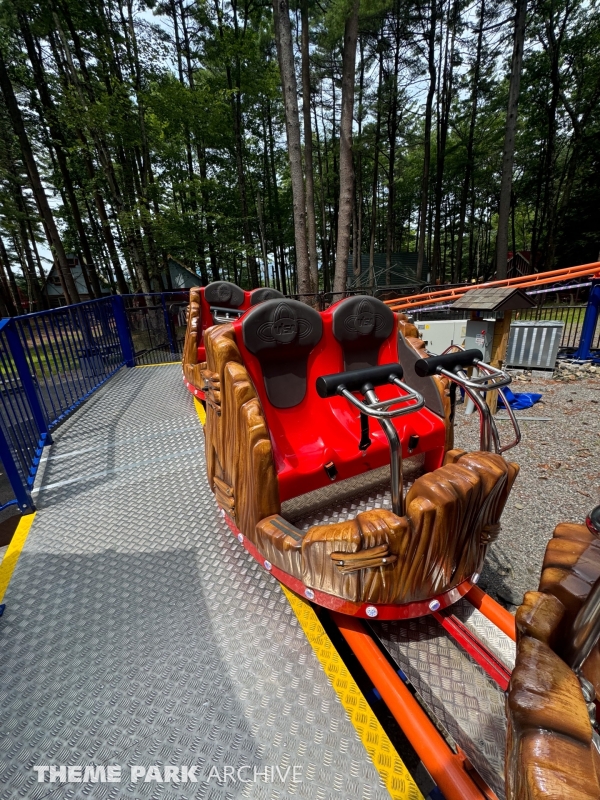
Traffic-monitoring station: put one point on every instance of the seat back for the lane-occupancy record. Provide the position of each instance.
(281, 335)
(361, 325)
(260, 295)
(215, 304)
(224, 294)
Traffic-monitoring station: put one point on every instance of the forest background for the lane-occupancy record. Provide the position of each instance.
(265, 144)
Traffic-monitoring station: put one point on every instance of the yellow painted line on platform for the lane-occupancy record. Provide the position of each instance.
(200, 410)
(9, 562)
(159, 364)
(393, 771)
(396, 777)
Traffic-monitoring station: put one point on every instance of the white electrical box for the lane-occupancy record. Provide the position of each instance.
(480, 334)
(439, 334)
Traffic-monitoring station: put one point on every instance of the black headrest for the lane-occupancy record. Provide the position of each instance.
(225, 294)
(361, 324)
(281, 334)
(260, 295)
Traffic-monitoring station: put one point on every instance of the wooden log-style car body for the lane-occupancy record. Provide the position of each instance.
(301, 476)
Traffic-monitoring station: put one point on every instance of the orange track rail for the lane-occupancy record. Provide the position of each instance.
(501, 618)
(445, 767)
(524, 282)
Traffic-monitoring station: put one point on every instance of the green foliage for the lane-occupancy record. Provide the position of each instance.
(171, 111)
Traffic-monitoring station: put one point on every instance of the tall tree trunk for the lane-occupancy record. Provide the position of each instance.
(336, 171)
(346, 159)
(357, 257)
(101, 248)
(427, 139)
(470, 145)
(323, 214)
(311, 226)
(55, 242)
(508, 154)
(38, 260)
(551, 190)
(392, 134)
(283, 34)
(270, 204)
(276, 198)
(371, 277)
(437, 268)
(23, 219)
(58, 145)
(210, 227)
(110, 243)
(8, 283)
(263, 235)
(236, 113)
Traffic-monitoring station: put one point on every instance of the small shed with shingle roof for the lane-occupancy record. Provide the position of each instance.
(493, 299)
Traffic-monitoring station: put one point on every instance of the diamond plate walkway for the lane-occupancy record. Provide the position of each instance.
(137, 632)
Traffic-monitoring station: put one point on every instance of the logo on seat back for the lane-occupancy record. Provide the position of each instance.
(224, 293)
(365, 321)
(284, 327)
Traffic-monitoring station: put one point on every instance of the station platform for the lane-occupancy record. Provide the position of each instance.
(138, 633)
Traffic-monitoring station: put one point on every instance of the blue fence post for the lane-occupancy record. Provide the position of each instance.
(167, 323)
(18, 353)
(588, 329)
(19, 486)
(118, 304)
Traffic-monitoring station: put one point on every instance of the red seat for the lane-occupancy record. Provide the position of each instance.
(285, 346)
(226, 296)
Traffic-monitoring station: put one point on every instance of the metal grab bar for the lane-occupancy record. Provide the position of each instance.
(373, 407)
(490, 378)
(223, 315)
(364, 382)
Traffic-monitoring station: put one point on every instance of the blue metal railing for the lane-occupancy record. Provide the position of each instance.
(50, 362)
(157, 325)
(70, 351)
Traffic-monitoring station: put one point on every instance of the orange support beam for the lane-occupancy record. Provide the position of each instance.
(501, 618)
(445, 767)
(524, 282)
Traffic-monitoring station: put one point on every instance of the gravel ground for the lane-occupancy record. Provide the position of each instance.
(559, 479)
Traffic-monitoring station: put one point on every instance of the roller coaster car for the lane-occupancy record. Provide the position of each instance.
(217, 303)
(302, 467)
(515, 698)
(553, 742)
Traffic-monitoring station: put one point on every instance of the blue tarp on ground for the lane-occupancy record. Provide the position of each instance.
(519, 400)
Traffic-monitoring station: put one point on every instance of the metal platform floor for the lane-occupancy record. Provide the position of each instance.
(138, 632)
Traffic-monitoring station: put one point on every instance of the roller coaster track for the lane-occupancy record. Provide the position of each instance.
(524, 282)
(449, 770)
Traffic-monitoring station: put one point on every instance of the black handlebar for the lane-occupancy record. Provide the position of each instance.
(425, 367)
(355, 380)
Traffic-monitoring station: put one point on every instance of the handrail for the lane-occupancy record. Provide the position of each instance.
(522, 282)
